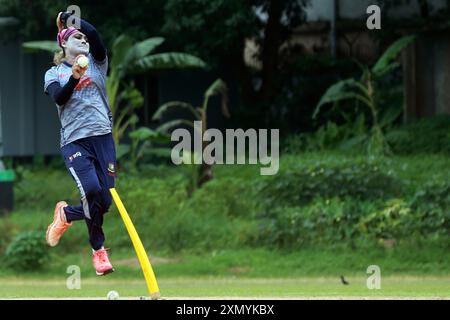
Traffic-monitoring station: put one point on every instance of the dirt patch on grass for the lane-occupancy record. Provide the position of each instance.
(239, 270)
(134, 262)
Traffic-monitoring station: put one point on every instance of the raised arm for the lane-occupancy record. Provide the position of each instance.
(97, 48)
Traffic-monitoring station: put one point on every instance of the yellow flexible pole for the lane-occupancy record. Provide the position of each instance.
(147, 269)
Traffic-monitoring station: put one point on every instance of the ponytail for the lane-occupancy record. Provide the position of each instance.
(59, 57)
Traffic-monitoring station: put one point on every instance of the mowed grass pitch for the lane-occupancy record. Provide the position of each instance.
(245, 274)
(409, 287)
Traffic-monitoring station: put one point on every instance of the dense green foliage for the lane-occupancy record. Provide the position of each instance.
(364, 92)
(425, 136)
(350, 200)
(328, 199)
(300, 183)
(428, 135)
(27, 252)
(214, 16)
(37, 18)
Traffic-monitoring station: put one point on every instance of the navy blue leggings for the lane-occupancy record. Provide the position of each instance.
(92, 163)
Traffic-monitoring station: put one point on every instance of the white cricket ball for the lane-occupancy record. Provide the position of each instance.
(83, 61)
(113, 295)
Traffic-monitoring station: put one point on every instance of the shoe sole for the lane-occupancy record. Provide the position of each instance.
(46, 237)
(60, 204)
(105, 273)
(50, 227)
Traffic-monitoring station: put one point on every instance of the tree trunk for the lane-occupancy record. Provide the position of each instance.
(206, 174)
(424, 9)
(271, 49)
(243, 74)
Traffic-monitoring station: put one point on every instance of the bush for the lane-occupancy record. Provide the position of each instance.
(144, 194)
(167, 219)
(350, 136)
(7, 231)
(188, 229)
(41, 189)
(356, 179)
(390, 222)
(336, 221)
(433, 195)
(228, 196)
(321, 222)
(27, 252)
(426, 136)
(432, 203)
(430, 135)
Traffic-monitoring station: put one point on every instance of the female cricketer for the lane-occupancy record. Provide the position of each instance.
(87, 145)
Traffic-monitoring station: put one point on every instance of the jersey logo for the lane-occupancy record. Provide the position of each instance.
(84, 82)
(74, 156)
(111, 169)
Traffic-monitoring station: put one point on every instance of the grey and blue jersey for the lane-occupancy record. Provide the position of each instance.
(87, 112)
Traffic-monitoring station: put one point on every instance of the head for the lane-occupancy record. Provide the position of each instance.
(72, 42)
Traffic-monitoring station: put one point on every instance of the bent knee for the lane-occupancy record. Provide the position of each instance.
(92, 190)
(106, 200)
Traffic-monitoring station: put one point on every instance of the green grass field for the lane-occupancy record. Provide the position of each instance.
(245, 274)
(232, 288)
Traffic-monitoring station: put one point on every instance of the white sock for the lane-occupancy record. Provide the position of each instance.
(102, 248)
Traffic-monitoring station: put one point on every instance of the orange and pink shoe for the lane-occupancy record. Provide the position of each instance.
(101, 262)
(59, 225)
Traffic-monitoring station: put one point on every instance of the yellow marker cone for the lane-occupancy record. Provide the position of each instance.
(149, 275)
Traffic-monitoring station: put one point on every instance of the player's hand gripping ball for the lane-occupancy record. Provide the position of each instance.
(83, 61)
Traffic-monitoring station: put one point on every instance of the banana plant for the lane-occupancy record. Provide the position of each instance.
(219, 88)
(364, 91)
(142, 143)
(129, 99)
(45, 45)
(129, 58)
